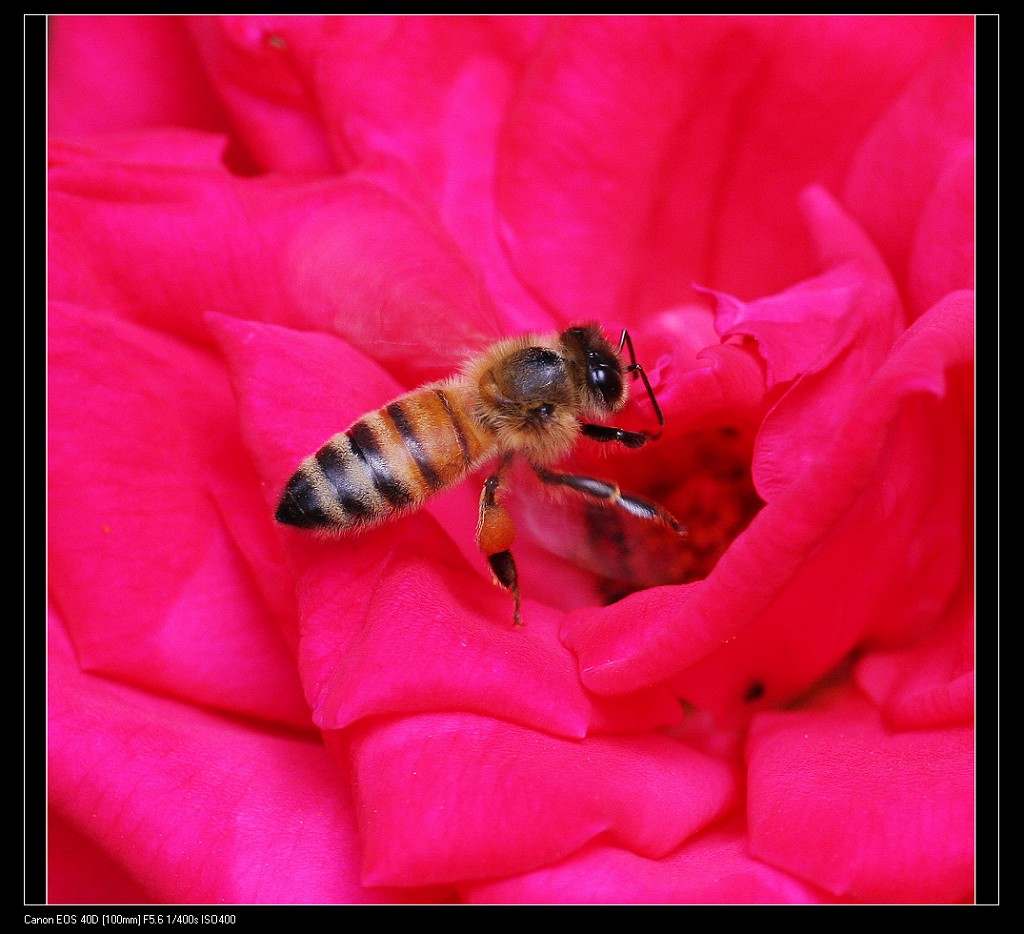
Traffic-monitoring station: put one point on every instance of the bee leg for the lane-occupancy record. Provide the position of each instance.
(610, 495)
(495, 532)
(631, 439)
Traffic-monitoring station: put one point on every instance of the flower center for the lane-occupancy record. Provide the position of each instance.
(703, 479)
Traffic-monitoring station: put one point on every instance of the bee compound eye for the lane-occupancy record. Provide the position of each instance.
(605, 380)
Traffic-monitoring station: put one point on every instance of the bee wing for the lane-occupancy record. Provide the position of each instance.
(372, 264)
(421, 348)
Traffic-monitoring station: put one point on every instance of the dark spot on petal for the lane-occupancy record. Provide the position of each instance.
(754, 692)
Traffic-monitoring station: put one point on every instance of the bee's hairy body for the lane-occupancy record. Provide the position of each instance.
(526, 396)
(388, 462)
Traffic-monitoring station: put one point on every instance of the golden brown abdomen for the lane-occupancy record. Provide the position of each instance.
(387, 462)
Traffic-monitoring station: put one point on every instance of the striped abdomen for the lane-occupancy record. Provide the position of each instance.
(389, 461)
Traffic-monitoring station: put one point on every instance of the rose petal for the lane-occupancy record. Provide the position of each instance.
(166, 85)
(407, 627)
(164, 245)
(423, 119)
(434, 101)
(674, 148)
(942, 257)
(170, 146)
(609, 114)
(197, 808)
(153, 588)
(900, 162)
(913, 551)
(712, 868)
(840, 800)
(830, 334)
(445, 797)
(81, 873)
(428, 99)
(791, 568)
(931, 683)
(262, 77)
(345, 256)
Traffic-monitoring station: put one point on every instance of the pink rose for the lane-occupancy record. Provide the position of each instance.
(263, 228)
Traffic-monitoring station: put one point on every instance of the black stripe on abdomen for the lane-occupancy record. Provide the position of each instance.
(413, 445)
(337, 471)
(367, 449)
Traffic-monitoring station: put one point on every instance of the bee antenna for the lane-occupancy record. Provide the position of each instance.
(626, 341)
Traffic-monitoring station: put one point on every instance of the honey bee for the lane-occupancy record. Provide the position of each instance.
(526, 396)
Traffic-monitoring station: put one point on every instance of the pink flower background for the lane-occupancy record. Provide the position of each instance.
(261, 228)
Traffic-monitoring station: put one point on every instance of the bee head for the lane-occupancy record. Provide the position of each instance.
(598, 363)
